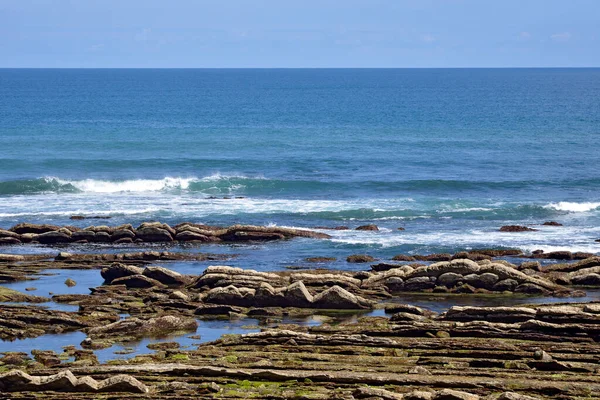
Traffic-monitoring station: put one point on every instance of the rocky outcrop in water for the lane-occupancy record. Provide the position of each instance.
(149, 232)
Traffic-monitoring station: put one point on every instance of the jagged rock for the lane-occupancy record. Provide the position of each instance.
(338, 298)
(137, 282)
(166, 276)
(297, 295)
(65, 381)
(541, 355)
(118, 270)
(229, 295)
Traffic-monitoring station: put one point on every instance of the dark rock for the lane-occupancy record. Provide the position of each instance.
(419, 283)
(516, 228)
(360, 258)
(188, 236)
(33, 228)
(320, 259)
(403, 257)
(552, 223)
(84, 235)
(137, 282)
(505, 285)
(9, 241)
(405, 308)
(53, 237)
(591, 279)
(122, 234)
(336, 298)
(384, 266)
(211, 309)
(530, 288)
(449, 279)
(118, 270)
(154, 234)
(124, 240)
(449, 394)
(499, 252)
(434, 257)
(70, 282)
(370, 227)
(102, 237)
(557, 255)
(166, 276)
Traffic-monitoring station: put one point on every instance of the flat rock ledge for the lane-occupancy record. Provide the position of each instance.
(149, 232)
(65, 381)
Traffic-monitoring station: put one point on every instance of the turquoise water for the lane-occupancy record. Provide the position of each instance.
(451, 154)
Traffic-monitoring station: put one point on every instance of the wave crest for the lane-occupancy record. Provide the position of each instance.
(573, 206)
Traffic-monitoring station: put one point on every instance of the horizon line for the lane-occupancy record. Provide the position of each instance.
(272, 68)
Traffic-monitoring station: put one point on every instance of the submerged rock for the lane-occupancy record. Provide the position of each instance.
(516, 228)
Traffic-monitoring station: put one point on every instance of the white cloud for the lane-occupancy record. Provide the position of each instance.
(561, 37)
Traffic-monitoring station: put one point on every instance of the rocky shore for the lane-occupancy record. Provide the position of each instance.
(148, 232)
(388, 349)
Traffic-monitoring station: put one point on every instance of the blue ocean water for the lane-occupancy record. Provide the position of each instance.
(449, 154)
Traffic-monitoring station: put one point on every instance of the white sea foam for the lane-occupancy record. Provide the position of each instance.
(573, 206)
(148, 185)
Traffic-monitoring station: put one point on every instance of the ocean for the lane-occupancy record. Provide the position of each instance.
(450, 155)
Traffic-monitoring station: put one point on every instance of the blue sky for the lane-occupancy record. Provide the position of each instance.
(299, 33)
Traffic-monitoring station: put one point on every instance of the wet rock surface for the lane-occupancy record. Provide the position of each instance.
(149, 232)
(407, 352)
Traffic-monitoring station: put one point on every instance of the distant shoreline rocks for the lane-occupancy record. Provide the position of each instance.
(149, 232)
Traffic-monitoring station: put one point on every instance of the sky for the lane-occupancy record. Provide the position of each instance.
(299, 33)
